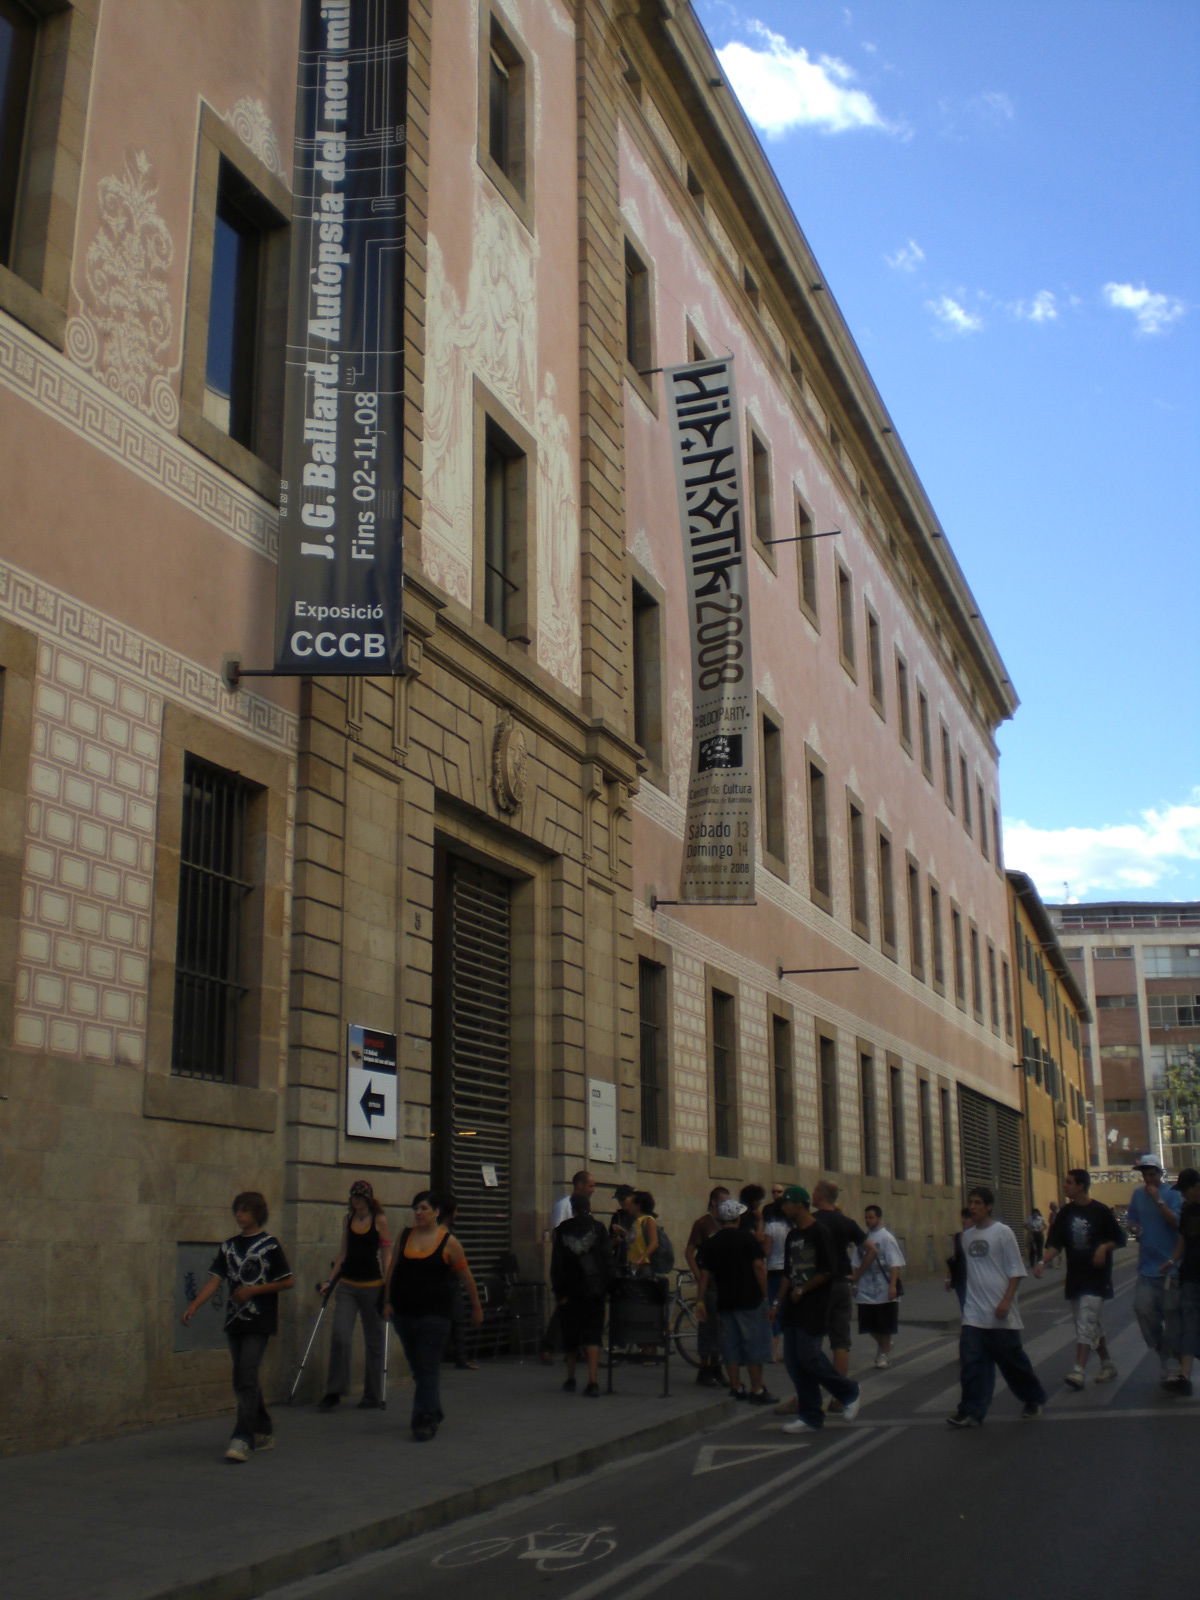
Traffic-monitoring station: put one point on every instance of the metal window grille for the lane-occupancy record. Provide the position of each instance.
(652, 1018)
(208, 942)
(870, 1115)
(785, 1116)
(827, 1061)
(724, 1071)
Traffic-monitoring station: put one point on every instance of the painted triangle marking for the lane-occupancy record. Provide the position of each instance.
(713, 1457)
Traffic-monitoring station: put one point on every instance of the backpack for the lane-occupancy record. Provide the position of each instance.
(662, 1258)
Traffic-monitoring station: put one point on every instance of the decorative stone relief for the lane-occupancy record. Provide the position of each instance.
(510, 760)
(125, 326)
(249, 120)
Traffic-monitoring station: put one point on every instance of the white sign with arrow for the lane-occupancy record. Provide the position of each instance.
(371, 1083)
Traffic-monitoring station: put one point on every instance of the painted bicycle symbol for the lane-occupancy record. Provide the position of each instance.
(553, 1549)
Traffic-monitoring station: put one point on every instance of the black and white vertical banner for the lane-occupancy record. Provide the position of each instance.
(339, 596)
(718, 847)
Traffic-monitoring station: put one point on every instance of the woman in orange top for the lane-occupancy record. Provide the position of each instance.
(420, 1300)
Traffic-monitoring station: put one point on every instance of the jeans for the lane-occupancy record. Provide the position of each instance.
(810, 1369)
(247, 1350)
(424, 1339)
(353, 1300)
(1156, 1307)
(980, 1352)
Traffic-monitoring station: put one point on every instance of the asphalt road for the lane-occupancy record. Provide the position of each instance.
(1097, 1496)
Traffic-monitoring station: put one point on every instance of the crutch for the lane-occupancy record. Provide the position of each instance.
(312, 1339)
(387, 1345)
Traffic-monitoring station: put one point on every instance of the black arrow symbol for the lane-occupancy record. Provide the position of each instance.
(372, 1104)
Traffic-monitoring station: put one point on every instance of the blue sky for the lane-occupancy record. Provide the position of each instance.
(1004, 198)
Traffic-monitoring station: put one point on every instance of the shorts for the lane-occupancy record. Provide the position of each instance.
(581, 1323)
(746, 1337)
(1087, 1319)
(837, 1322)
(878, 1319)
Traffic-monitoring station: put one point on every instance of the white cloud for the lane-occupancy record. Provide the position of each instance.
(908, 258)
(1118, 859)
(781, 88)
(954, 316)
(1152, 312)
(1042, 308)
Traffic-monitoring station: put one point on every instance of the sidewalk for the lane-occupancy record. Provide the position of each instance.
(160, 1514)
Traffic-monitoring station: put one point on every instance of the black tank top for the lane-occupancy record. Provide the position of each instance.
(422, 1287)
(361, 1263)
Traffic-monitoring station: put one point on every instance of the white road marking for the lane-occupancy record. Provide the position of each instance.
(707, 1457)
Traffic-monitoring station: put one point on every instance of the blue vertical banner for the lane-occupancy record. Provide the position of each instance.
(718, 841)
(339, 599)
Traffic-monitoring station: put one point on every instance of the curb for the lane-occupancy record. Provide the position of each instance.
(323, 1555)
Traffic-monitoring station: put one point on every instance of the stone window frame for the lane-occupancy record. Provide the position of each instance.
(885, 860)
(659, 1158)
(717, 981)
(514, 181)
(783, 1119)
(648, 686)
(35, 287)
(253, 1100)
(807, 577)
(773, 788)
(820, 840)
(521, 621)
(829, 1127)
(640, 343)
(259, 468)
(858, 881)
(761, 489)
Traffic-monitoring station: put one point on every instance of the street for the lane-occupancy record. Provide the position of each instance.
(1084, 1498)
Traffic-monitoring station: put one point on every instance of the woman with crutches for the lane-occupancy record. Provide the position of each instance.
(359, 1274)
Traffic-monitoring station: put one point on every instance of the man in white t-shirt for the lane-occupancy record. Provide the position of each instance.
(991, 1323)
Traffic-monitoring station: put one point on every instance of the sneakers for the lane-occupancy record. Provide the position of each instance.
(761, 1397)
(1107, 1372)
(798, 1425)
(960, 1419)
(239, 1450)
(568, 1385)
(263, 1441)
(1075, 1378)
(788, 1407)
(329, 1402)
(739, 1394)
(882, 1362)
(1178, 1384)
(850, 1409)
(1032, 1410)
(591, 1391)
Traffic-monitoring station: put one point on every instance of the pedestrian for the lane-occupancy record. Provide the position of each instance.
(1035, 1225)
(420, 1299)
(775, 1227)
(956, 1266)
(752, 1196)
(621, 1226)
(732, 1258)
(1051, 1213)
(876, 1279)
(1186, 1257)
(1087, 1233)
(811, 1268)
(254, 1268)
(846, 1235)
(1154, 1212)
(456, 1347)
(643, 1235)
(582, 1182)
(991, 1322)
(708, 1327)
(359, 1273)
(580, 1272)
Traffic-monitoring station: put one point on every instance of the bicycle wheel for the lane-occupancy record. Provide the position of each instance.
(686, 1334)
(593, 1550)
(469, 1555)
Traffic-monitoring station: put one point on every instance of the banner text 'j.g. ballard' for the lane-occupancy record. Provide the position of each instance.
(718, 845)
(339, 597)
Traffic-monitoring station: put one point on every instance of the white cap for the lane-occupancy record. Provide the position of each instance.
(1148, 1160)
(730, 1210)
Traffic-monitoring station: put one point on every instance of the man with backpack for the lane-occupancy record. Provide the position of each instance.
(580, 1272)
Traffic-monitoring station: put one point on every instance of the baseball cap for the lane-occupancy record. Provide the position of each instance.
(1149, 1160)
(797, 1194)
(730, 1210)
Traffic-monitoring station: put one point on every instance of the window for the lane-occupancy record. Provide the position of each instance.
(783, 1099)
(936, 942)
(1113, 952)
(947, 1137)
(235, 325)
(845, 599)
(926, 734)
(976, 973)
(887, 894)
(652, 1051)
(820, 886)
(983, 827)
(1171, 960)
(639, 315)
(958, 954)
(1006, 989)
(806, 563)
(771, 779)
(827, 1070)
(46, 49)
(916, 941)
(869, 1112)
(964, 791)
(904, 708)
(997, 855)
(213, 890)
(1173, 1010)
(925, 1107)
(722, 1034)
(506, 151)
(860, 915)
(896, 1116)
(1116, 1002)
(760, 484)
(504, 584)
(875, 662)
(993, 986)
(947, 769)
(647, 676)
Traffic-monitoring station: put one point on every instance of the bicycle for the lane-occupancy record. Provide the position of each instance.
(685, 1330)
(563, 1550)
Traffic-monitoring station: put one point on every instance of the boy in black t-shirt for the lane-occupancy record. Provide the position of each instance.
(810, 1266)
(1087, 1233)
(254, 1266)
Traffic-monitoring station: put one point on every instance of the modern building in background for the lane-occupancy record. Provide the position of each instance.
(1138, 963)
(279, 933)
